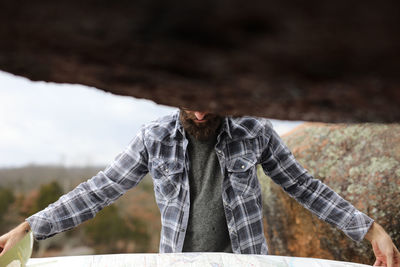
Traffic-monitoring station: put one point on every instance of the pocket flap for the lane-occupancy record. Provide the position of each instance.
(168, 167)
(241, 164)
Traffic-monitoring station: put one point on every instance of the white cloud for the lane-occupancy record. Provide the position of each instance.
(48, 123)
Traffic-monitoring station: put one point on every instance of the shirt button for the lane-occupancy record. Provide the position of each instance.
(242, 166)
(182, 230)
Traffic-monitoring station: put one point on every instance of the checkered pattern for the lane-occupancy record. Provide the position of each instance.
(160, 148)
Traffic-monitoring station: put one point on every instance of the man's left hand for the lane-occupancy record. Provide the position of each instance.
(385, 251)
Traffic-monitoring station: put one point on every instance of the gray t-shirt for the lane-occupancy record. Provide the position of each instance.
(207, 230)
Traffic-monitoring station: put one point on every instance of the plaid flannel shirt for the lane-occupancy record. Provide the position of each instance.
(160, 148)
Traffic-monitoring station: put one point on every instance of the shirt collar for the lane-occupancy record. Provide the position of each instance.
(178, 129)
(225, 127)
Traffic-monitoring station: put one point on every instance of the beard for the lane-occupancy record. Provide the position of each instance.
(203, 131)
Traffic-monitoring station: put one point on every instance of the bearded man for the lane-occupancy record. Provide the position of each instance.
(204, 172)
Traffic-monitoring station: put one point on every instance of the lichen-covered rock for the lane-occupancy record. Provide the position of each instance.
(361, 163)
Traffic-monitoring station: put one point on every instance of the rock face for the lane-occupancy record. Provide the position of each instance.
(315, 60)
(362, 164)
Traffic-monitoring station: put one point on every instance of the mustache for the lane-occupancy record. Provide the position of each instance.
(209, 116)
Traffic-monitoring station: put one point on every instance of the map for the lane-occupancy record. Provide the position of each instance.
(186, 260)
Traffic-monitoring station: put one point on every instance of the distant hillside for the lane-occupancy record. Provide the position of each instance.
(26, 178)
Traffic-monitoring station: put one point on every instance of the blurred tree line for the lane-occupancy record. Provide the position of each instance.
(132, 224)
(6, 199)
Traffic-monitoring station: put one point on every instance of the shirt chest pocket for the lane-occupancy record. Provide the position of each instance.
(242, 174)
(167, 177)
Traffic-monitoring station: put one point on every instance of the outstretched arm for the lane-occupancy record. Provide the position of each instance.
(279, 164)
(83, 202)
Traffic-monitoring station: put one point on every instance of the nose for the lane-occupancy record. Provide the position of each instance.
(200, 115)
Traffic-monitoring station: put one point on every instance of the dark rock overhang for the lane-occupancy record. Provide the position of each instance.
(300, 60)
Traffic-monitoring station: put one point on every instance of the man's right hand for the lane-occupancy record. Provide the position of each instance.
(9, 239)
(384, 249)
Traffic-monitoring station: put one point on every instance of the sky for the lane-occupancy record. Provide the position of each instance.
(72, 125)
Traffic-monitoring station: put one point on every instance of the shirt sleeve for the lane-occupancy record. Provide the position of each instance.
(88, 198)
(279, 164)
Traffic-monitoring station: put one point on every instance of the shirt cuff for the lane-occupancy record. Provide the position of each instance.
(358, 226)
(40, 226)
